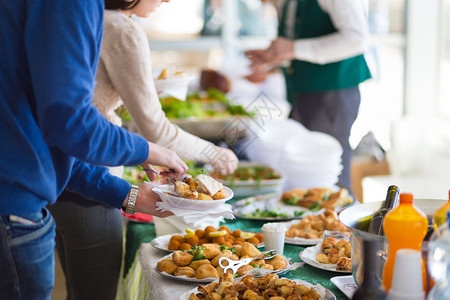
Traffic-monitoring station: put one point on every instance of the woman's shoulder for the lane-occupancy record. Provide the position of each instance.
(117, 25)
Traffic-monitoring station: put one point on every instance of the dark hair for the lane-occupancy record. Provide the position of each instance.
(121, 4)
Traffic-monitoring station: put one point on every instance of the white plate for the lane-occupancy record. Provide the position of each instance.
(309, 257)
(192, 204)
(254, 272)
(345, 284)
(325, 293)
(247, 188)
(246, 206)
(299, 240)
(162, 242)
(176, 86)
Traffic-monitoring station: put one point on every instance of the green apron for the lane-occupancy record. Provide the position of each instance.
(302, 76)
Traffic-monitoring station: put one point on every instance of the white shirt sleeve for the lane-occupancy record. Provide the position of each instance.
(350, 20)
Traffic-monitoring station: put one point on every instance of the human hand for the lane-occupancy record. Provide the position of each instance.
(279, 50)
(147, 199)
(225, 162)
(160, 156)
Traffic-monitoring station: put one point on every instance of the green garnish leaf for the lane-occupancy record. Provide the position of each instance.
(197, 252)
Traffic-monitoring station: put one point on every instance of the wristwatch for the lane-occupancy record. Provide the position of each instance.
(132, 200)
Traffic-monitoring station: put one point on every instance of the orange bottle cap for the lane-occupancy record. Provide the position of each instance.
(406, 198)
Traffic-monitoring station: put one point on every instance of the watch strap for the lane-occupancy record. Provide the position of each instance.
(132, 200)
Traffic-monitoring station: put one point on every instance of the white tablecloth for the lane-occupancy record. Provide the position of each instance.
(162, 288)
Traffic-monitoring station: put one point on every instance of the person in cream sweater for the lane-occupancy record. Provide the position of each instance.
(91, 250)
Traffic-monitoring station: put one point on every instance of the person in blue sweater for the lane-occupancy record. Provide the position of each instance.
(52, 138)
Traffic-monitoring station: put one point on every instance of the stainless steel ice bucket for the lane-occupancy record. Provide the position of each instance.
(357, 219)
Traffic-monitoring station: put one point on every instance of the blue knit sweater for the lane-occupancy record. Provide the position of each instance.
(50, 134)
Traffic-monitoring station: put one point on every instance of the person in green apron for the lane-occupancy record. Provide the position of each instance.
(320, 49)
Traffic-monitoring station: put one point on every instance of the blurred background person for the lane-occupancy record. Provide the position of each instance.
(320, 49)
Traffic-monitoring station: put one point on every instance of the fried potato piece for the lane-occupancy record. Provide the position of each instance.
(185, 246)
(174, 245)
(189, 272)
(250, 250)
(193, 240)
(181, 258)
(200, 233)
(167, 265)
(205, 271)
(178, 238)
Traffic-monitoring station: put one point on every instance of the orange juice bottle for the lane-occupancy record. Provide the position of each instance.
(440, 216)
(405, 227)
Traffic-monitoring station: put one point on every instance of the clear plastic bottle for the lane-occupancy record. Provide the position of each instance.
(439, 261)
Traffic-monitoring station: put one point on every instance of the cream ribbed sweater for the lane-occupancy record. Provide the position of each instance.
(125, 74)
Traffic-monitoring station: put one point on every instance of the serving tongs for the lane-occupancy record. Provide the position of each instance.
(234, 265)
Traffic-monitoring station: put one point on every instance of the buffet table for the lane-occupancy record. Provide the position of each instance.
(140, 280)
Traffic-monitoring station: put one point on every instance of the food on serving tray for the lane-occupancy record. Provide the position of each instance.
(221, 236)
(165, 74)
(203, 187)
(249, 173)
(337, 252)
(267, 287)
(272, 213)
(203, 261)
(312, 227)
(202, 106)
(213, 79)
(316, 198)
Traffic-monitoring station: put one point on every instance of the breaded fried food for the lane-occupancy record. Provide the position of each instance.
(197, 263)
(250, 250)
(178, 238)
(200, 233)
(181, 258)
(219, 195)
(244, 270)
(192, 183)
(278, 262)
(174, 245)
(185, 246)
(193, 240)
(167, 265)
(225, 253)
(202, 196)
(187, 271)
(211, 250)
(205, 271)
(184, 190)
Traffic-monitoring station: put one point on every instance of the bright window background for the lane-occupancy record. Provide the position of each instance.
(444, 82)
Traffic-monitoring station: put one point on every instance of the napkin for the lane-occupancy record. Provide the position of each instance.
(192, 216)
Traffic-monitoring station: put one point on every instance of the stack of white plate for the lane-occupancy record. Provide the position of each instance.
(271, 141)
(305, 158)
(311, 160)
